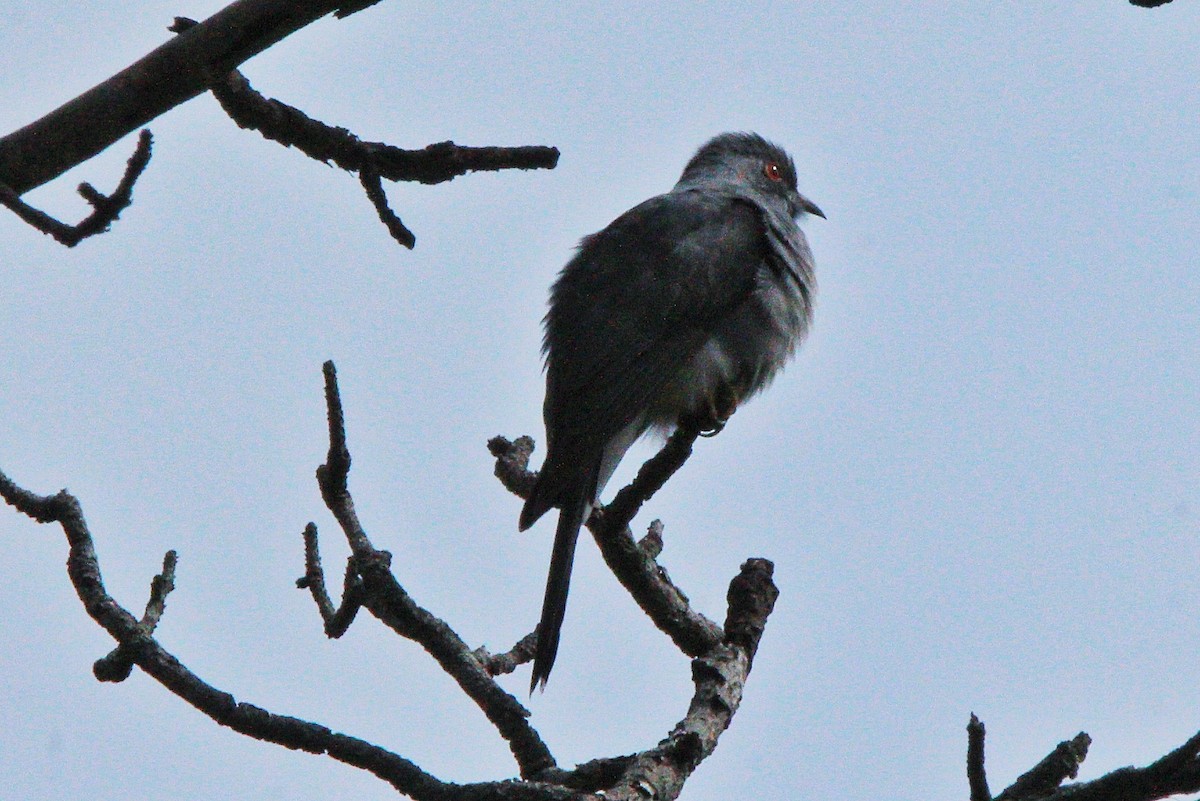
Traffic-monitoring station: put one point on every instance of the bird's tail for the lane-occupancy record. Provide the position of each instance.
(554, 605)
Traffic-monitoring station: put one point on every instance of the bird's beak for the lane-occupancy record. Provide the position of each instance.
(807, 205)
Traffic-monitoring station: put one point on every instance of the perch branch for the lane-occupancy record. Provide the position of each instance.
(632, 562)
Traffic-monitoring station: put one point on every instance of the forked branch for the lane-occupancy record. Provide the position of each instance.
(718, 673)
(205, 55)
(105, 208)
(1176, 773)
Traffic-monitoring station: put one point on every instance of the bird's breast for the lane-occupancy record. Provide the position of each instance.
(739, 357)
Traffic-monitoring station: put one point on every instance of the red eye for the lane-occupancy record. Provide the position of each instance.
(771, 170)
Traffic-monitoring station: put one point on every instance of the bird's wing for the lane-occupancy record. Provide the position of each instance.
(636, 303)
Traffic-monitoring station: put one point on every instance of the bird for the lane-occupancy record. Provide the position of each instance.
(674, 314)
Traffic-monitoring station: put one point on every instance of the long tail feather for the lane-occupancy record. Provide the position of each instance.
(554, 605)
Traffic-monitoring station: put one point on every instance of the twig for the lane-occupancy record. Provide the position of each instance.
(976, 775)
(178, 70)
(369, 179)
(507, 662)
(1059, 765)
(105, 208)
(632, 562)
(337, 620)
(84, 571)
(118, 665)
(512, 464)
(392, 605)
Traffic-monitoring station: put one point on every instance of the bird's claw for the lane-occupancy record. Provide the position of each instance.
(718, 410)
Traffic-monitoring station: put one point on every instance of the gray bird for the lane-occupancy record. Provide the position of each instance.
(679, 310)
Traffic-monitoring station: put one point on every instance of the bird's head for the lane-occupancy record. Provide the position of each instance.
(749, 162)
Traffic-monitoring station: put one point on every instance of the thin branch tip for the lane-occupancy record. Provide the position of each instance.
(751, 599)
(105, 208)
(976, 773)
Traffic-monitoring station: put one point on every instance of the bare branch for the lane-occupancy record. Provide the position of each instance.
(173, 73)
(635, 566)
(118, 664)
(393, 606)
(135, 642)
(665, 604)
(976, 775)
(434, 164)
(519, 654)
(106, 208)
(1059, 765)
(651, 477)
(632, 562)
(751, 597)
(719, 676)
(1177, 772)
(337, 620)
(512, 464)
(203, 56)
(369, 179)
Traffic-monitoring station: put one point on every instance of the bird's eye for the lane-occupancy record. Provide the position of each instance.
(771, 170)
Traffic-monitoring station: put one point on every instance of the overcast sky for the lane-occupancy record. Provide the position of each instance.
(979, 481)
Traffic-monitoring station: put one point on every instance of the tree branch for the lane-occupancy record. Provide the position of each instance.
(1059, 765)
(337, 620)
(393, 606)
(106, 208)
(718, 675)
(1175, 773)
(632, 562)
(373, 161)
(204, 56)
(976, 775)
(136, 644)
(117, 666)
(173, 73)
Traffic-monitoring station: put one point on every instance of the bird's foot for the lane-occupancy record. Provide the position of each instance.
(716, 413)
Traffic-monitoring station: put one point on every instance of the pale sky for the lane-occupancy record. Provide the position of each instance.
(979, 481)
